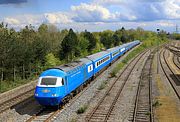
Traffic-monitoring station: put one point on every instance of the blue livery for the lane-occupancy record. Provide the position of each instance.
(57, 84)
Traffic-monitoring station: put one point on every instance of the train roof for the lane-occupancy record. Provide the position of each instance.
(85, 60)
(113, 49)
(97, 55)
(70, 66)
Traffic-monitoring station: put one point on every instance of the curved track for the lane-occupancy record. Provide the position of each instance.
(103, 109)
(167, 71)
(176, 61)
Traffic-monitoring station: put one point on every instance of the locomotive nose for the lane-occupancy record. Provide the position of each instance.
(47, 96)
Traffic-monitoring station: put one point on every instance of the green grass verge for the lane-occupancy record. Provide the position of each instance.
(146, 44)
(8, 85)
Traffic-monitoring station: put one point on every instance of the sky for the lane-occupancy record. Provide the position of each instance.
(92, 15)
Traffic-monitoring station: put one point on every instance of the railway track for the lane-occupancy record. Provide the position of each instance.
(176, 61)
(167, 71)
(104, 107)
(16, 100)
(142, 111)
(45, 114)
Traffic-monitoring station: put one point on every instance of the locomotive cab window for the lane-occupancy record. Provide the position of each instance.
(48, 81)
(51, 81)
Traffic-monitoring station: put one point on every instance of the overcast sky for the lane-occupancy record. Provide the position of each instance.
(93, 15)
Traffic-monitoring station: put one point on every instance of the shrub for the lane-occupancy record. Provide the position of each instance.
(102, 86)
(82, 109)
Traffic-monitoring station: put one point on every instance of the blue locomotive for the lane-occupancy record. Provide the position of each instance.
(58, 85)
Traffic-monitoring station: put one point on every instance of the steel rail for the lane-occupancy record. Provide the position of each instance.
(88, 118)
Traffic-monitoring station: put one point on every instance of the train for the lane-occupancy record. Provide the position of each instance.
(59, 84)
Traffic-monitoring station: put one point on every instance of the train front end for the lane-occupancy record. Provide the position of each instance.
(50, 89)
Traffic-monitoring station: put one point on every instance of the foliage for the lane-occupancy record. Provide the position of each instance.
(26, 53)
(157, 104)
(175, 36)
(82, 109)
(51, 60)
(69, 46)
(151, 40)
(102, 86)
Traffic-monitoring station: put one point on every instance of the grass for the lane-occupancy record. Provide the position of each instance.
(146, 44)
(112, 74)
(82, 109)
(102, 86)
(156, 104)
(148, 113)
(8, 85)
(73, 120)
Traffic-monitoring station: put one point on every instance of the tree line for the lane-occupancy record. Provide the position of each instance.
(26, 53)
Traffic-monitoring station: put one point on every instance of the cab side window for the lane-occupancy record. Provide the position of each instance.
(62, 81)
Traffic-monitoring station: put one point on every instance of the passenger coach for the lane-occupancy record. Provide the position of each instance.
(58, 85)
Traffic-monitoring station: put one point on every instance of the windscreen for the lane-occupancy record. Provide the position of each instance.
(48, 81)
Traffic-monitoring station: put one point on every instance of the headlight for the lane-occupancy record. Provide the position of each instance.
(36, 94)
(54, 95)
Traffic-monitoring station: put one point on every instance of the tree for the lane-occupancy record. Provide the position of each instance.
(69, 46)
(116, 39)
(83, 45)
(106, 38)
(51, 60)
(92, 40)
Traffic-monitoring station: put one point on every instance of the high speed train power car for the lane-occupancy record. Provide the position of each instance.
(57, 85)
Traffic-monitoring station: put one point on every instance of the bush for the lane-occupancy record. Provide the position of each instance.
(82, 109)
(156, 104)
(102, 86)
(112, 74)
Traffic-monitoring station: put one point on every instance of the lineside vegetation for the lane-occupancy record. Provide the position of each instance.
(152, 40)
(24, 54)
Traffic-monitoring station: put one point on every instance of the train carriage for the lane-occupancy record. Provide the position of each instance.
(115, 53)
(100, 60)
(56, 84)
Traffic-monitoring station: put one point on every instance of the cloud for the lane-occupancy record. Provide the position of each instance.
(21, 21)
(13, 1)
(107, 14)
(166, 24)
(108, 2)
(171, 9)
(55, 18)
(97, 13)
(90, 13)
(143, 10)
(11, 21)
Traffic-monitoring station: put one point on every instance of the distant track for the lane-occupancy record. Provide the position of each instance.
(167, 71)
(104, 107)
(176, 61)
